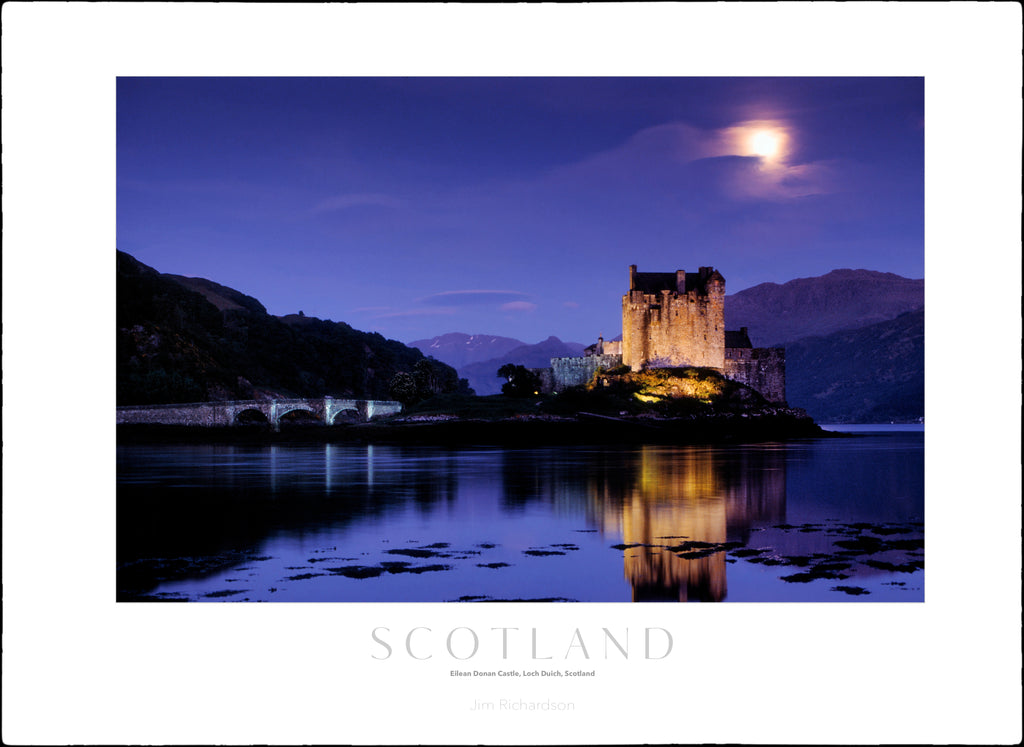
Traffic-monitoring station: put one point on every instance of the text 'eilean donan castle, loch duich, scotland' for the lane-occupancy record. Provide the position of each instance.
(676, 320)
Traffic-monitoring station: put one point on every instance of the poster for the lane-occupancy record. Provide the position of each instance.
(943, 671)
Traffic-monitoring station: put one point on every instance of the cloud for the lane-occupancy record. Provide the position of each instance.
(781, 182)
(570, 304)
(519, 306)
(748, 160)
(359, 199)
(448, 311)
(474, 298)
(449, 303)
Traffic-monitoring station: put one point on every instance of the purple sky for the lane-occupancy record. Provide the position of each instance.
(513, 206)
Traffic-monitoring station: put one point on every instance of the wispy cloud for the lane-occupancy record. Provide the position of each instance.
(570, 304)
(448, 311)
(752, 160)
(519, 306)
(474, 298)
(357, 199)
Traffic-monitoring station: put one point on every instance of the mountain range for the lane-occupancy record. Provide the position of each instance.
(854, 344)
(458, 349)
(777, 314)
(482, 375)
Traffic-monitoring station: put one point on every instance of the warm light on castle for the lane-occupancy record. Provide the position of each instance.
(677, 320)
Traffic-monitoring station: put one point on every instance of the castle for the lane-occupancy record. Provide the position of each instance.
(677, 319)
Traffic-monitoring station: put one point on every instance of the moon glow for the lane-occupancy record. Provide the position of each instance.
(765, 143)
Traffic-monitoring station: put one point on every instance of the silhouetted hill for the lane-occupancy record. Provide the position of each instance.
(458, 349)
(843, 299)
(219, 295)
(483, 376)
(869, 375)
(191, 339)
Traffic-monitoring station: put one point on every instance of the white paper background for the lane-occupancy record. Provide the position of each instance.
(80, 668)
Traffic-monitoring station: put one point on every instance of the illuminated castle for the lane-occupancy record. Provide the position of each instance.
(674, 320)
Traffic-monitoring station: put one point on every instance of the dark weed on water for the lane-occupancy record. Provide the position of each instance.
(851, 590)
(224, 593)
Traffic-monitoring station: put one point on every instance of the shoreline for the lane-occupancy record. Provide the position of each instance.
(586, 428)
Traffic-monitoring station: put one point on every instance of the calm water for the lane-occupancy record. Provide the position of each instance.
(824, 520)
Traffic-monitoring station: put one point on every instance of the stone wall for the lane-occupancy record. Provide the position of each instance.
(674, 329)
(762, 369)
(606, 347)
(205, 414)
(567, 372)
(547, 379)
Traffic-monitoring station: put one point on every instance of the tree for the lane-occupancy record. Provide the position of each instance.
(519, 381)
(433, 377)
(403, 388)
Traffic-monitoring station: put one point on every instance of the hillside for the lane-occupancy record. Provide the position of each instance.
(483, 376)
(458, 349)
(190, 339)
(841, 300)
(868, 375)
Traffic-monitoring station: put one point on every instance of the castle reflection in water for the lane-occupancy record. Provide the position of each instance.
(665, 496)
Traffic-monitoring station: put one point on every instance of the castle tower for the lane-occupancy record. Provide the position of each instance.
(674, 319)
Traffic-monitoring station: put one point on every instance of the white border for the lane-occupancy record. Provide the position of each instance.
(79, 668)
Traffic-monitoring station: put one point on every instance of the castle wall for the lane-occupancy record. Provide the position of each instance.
(567, 372)
(762, 369)
(677, 320)
(674, 329)
(547, 379)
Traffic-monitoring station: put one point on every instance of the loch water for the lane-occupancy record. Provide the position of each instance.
(817, 520)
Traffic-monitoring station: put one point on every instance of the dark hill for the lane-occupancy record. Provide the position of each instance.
(221, 296)
(190, 339)
(869, 375)
(843, 299)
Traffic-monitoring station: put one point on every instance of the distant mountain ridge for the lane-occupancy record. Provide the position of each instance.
(854, 344)
(458, 349)
(483, 376)
(840, 300)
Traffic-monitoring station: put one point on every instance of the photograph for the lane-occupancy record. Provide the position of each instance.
(520, 339)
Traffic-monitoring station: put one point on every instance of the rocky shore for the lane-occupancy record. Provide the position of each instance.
(764, 424)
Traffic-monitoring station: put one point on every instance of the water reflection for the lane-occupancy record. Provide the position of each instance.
(682, 495)
(661, 505)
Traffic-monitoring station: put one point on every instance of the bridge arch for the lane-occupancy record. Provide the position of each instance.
(227, 413)
(282, 411)
(250, 416)
(347, 415)
(299, 416)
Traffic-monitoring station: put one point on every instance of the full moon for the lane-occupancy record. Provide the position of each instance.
(764, 143)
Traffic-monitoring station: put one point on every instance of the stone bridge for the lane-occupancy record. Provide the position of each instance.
(327, 410)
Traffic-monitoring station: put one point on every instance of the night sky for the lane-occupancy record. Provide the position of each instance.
(513, 206)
